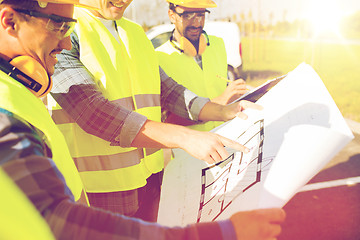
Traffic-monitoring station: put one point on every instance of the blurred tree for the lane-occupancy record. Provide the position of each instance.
(285, 12)
(271, 18)
(242, 23)
(350, 26)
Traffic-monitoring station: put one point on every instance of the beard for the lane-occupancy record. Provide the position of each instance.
(191, 35)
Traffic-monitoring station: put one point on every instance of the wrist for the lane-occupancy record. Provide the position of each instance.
(212, 112)
(219, 100)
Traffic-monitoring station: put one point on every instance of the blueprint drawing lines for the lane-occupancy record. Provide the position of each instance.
(223, 182)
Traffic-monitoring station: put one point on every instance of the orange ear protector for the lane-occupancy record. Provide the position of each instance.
(188, 48)
(25, 70)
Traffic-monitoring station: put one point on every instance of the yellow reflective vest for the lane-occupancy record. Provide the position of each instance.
(19, 219)
(17, 99)
(127, 73)
(185, 70)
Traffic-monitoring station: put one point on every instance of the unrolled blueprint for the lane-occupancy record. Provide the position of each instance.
(292, 139)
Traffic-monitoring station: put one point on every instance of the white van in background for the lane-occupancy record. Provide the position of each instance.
(228, 31)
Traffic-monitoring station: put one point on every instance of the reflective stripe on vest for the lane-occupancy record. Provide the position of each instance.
(19, 100)
(127, 78)
(19, 219)
(204, 82)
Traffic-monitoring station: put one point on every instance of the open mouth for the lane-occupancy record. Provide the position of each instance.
(53, 55)
(118, 5)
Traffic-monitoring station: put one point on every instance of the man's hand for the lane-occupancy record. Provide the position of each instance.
(235, 109)
(233, 91)
(216, 112)
(262, 224)
(209, 147)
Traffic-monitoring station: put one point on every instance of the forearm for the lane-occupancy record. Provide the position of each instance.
(213, 112)
(206, 146)
(161, 135)
(96, 224)
(105, 225)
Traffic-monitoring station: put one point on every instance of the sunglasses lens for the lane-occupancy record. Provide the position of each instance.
(62, 29)
(189, 16)
(193, 15)
(68, 29)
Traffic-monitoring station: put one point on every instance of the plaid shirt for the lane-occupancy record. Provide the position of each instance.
(74, 86)
(75, 91)
(25, 157)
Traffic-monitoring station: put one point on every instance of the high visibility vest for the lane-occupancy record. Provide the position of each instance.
(127, 74)
(17, 99)
(203, 82)
(19, 219)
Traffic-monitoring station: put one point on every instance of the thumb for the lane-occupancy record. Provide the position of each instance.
(241, 115)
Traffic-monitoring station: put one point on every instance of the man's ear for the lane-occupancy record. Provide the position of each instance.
(171, 16)
(9, 20)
